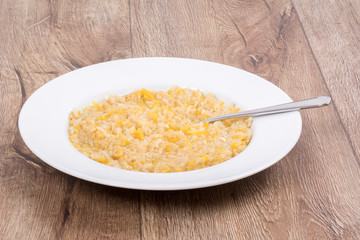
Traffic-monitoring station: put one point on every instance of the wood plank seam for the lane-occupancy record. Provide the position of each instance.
(140, 215)
(130, 30)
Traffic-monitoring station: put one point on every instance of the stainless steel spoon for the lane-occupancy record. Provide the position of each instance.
(286, 107)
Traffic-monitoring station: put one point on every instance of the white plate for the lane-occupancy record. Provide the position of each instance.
(43, 120)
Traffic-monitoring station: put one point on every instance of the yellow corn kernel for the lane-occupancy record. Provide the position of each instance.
(101, 160)
(220, 150)
(168, 109)
(101, 117)
(119, 123)
(206, 124)
(75, 145)
(127, 123)
(234, 146)
(99, 134)
(119, 151)
(172, 140)
(97, 149)
(84, 108)
(139, 134)
(140, 101)
(147, 94)
(185, 129)
(138, 110)
(72, 137)
(174, 127)
(205, 158)
(154, 116)
(155, 104)
(227, 123)
(107, 116)
(179, 169)
(98, 107)
(237, 136)
(124, 140)
(167, 148)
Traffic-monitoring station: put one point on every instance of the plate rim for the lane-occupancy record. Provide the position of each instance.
(196, 185)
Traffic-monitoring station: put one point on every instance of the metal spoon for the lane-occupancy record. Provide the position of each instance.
(286, 107)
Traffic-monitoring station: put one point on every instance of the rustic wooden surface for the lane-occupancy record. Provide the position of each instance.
(307, 48)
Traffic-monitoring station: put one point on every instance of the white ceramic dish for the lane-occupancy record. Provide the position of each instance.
(43, 119)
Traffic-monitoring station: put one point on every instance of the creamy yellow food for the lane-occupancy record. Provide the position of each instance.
(158, 131)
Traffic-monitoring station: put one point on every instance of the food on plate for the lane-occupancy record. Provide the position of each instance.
(159, 131)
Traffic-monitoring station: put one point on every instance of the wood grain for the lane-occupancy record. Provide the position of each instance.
(39, 41)
(338, 57)
(311, 194)
(268, 40)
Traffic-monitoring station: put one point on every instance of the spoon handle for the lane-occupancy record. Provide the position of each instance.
(287, 107)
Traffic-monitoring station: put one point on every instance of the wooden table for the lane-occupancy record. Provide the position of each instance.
(307, 48)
